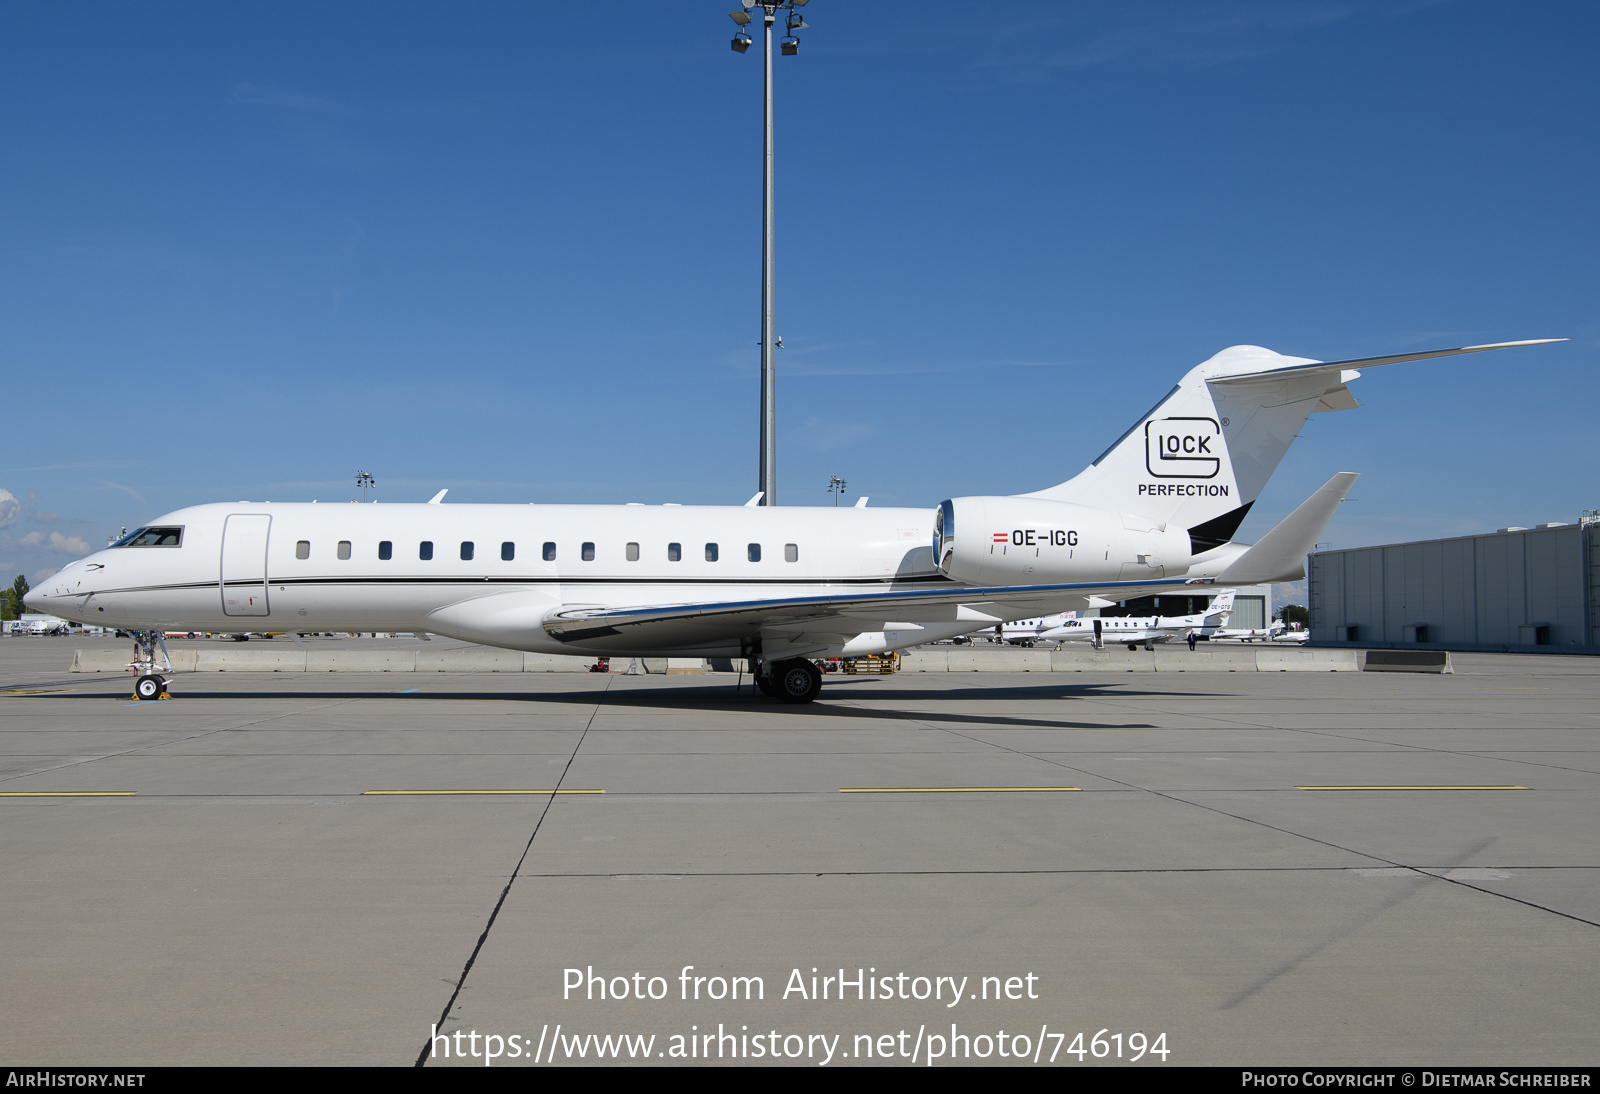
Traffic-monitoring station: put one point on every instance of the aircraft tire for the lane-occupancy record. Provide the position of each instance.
(796, 680)
(148, 687)
(766, 685)
(1133, 645)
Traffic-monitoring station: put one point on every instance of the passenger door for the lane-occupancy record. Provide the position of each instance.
(244, 564)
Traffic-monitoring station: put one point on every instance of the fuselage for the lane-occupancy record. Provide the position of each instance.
(1133, 628)
(412, 567)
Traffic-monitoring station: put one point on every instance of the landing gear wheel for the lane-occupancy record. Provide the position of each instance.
(766, 685)
(797, 680)
(149, 687)
(1133, 645)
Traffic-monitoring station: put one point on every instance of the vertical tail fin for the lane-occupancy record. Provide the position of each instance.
(1221, 609)
(1200, 457)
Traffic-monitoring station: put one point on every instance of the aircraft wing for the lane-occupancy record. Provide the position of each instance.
(718, 623)
(728, 625)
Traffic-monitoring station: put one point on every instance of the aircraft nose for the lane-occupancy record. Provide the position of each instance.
(34, 600)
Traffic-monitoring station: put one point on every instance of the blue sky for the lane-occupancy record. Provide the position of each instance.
(514, 250)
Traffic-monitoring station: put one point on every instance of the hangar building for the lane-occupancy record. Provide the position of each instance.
(1515, 589)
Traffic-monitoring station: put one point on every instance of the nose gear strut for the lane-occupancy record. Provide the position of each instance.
(151, 684)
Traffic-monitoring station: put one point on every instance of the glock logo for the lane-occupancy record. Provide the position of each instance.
(1183, 448)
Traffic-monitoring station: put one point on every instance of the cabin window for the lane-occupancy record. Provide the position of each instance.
(674, 552)
(466, 550)
(549, 552)
(753, 552)
(711, 552)
(791, 552)
(632, 552)
(425, 550)
(344, 548)
(508, 551)
(588, 552)
(302, 549)
(385, 550)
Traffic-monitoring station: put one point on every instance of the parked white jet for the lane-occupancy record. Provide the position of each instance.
(1145, 630)
(778, 585)
(1269, 633)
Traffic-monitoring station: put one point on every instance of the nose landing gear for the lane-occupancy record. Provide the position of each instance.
(150, 687)
(151, 684)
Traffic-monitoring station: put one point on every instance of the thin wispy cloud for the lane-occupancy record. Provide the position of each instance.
(30, 506)
(822, 435)
(1035, 51)
(256, 95)
(67, 466)
(125, 489)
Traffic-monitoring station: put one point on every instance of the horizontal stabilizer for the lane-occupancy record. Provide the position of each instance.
(1369, 362)
(1280, 554)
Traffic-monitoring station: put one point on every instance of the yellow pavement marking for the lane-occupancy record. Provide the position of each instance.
(1411, 788)
(67, 793)
(425, 793)
(953, 789)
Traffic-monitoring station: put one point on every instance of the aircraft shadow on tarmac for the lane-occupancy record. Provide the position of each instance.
(722, 698)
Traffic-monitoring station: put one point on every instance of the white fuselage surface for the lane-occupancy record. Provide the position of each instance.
(493, 573)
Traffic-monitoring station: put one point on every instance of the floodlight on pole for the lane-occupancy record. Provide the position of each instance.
(742, 41)
(364, 481)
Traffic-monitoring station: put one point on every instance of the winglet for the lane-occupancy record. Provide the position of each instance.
(1280, 554)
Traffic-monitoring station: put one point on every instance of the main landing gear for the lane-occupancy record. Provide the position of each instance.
(794, 681)
(151, 684)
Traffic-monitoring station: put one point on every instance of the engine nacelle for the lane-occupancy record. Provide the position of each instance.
(1029, 541)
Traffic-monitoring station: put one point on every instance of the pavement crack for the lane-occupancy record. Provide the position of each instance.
(444, 1016)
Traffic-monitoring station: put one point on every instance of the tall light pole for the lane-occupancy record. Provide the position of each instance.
(790, 45)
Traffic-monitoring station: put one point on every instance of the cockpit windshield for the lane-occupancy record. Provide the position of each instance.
(152, 537)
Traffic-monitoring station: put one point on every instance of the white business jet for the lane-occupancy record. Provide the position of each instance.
(1269, 633)
(1145, 630)
(780, 586)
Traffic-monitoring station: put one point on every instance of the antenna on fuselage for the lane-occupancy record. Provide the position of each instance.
(439, 497)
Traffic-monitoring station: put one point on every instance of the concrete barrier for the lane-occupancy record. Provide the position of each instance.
(1081, 657)
(471, 659)
(1408, 661)
(555, 662)
(223, 660)
(970, 660)
(1205, 659)
(1166, 658)
(326, 660)
(1074, 658)
(931, 660)
(100, 661)
(1304, 660)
